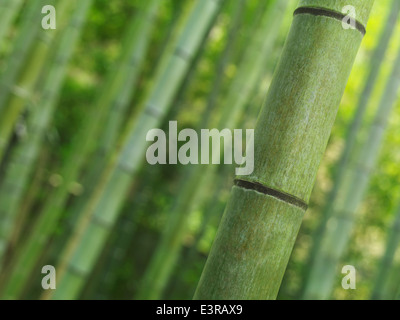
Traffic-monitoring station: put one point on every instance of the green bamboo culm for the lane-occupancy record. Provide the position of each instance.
(354, 128)
(20, 268)
(352, 190)
(259, 227)
(8, 11)
(88, 241)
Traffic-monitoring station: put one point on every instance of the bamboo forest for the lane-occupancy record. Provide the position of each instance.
(199, 149)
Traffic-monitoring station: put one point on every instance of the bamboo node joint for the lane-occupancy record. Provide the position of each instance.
(271, 192)
(328, 13)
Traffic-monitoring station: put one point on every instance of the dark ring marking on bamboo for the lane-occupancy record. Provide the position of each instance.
(329, 13)
(271, 192)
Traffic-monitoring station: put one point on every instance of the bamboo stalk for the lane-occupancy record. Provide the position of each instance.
(263, 216)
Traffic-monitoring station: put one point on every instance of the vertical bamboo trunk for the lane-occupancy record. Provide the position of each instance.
(262, 219)
(166, 254)
(21, 268)
(353, 130)
(352, 190)
(380, 291)
(93, 228)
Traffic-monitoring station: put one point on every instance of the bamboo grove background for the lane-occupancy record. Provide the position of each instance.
(75, 189)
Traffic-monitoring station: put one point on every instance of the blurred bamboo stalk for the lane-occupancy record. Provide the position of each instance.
(135, 46)
(24, 92)
(21, 266)
(103, 208)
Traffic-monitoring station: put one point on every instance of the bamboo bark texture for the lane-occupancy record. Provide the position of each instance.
(263, 216)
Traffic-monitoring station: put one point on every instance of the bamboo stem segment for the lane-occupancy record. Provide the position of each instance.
(258, 230)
